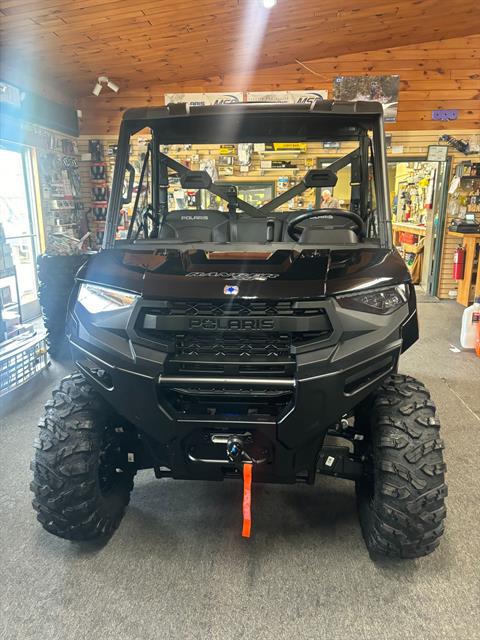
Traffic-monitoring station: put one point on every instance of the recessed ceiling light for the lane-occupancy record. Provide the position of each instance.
(269, 4)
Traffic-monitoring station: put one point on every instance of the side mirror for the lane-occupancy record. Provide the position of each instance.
(196, 180)
(127, 198)
(320, 178)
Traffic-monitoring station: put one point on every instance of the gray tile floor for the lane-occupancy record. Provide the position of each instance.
(178, 568)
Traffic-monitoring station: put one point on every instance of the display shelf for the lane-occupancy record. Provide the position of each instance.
(469, 286)
(406, 227)
(99, 173)
(416, 229)
(61, 190)
(469, 170)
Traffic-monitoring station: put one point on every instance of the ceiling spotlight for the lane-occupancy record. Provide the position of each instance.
(102, 80)
(269, 4)
(111, 85)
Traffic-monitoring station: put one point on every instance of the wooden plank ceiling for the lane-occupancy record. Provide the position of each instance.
(155, 42)
(433, 75)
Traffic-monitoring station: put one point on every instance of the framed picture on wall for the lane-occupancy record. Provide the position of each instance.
(383, 89)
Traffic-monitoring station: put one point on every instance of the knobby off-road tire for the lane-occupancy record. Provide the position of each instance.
(56, 275)
(81, 476)
(401, 501)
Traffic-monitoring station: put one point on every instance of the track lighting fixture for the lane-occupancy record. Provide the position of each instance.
(111, 85)
(102, 80)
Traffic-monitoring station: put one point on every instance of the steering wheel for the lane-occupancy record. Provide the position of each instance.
(294, 232)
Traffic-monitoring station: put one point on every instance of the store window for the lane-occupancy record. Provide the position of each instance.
(19, 238)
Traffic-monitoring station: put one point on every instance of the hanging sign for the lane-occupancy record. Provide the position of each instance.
(282, 97)
(285, 97)
(202, 99)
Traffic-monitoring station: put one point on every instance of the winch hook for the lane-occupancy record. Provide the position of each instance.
(236, 450)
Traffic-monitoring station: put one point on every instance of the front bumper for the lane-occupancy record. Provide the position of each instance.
(325, 384)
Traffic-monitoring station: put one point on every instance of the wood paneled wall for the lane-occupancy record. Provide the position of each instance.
(434, 75)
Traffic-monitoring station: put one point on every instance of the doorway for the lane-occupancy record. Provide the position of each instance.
(418, 201)
(20, 228)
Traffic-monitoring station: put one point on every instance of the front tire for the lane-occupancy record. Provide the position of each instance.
(81, 475)
(401, 497)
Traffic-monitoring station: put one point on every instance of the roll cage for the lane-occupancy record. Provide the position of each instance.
(227, 124)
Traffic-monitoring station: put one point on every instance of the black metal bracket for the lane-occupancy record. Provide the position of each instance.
(339, 462)
(313, 178)
(139, 191)
(220, 190)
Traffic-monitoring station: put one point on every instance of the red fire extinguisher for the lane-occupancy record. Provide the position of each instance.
(459, 263)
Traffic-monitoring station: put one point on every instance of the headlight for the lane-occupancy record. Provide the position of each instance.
(382, 301)
(96, 299)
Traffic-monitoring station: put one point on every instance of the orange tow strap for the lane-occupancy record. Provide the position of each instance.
(247, 499)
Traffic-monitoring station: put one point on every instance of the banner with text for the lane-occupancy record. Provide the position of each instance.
(202, 99)
(287, 97)
(279, 97)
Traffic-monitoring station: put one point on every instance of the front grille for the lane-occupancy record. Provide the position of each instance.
(229, 344)
(233, 336)
(232, 339)
(244, 308)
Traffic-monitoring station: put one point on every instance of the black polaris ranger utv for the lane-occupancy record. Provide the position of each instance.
(237, 340)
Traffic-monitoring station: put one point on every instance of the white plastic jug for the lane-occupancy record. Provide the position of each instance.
(467, 335)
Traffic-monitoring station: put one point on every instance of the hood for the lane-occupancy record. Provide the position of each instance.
(285, 274)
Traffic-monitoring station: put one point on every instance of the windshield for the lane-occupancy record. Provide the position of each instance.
(251, 173)
(206, 184)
